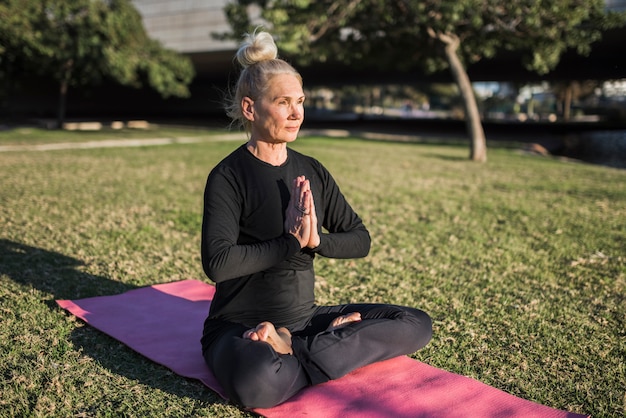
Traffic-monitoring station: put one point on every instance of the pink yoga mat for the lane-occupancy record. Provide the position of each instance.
(164, 323)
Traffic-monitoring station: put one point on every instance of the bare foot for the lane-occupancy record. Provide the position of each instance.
(342, 321)
(279, 339)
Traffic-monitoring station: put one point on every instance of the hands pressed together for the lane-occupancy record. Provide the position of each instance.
(301, 219)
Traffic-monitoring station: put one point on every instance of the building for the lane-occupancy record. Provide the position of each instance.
(188, 26)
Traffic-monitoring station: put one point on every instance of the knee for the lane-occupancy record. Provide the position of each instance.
(256, 387)
(422, 327)
(426, 329)
(257, 379)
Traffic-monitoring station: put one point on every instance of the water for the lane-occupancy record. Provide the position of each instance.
(606, 147)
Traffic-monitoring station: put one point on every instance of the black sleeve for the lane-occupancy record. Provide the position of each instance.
(223, 258)
(346, 235)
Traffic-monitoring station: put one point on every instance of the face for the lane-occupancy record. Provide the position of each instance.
(276, 117)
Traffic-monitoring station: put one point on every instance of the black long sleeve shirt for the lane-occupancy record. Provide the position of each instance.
(261, 274)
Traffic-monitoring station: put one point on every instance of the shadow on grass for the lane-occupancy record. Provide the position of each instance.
(439, 141)
(446, 157)
(416, 141)
(53, 273)
(60, 276)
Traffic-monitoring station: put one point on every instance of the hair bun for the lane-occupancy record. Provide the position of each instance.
(256, 47)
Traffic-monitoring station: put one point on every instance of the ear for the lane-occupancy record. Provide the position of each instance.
(247, 108)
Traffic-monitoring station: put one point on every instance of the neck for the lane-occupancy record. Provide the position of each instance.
(274, 154)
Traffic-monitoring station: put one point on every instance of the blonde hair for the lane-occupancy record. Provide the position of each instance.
(258, 57)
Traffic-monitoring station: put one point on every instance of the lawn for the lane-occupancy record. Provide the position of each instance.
(521, 262)
(32, 135)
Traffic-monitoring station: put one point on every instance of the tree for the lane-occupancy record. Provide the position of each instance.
(81, 42)
(569, 91)
(435, 34)
(18, 43)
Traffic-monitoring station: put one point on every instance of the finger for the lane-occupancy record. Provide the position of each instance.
(295, 199)
(251, 334)
(314, 237)
(311, 203)
(304, 189)
(303, 207)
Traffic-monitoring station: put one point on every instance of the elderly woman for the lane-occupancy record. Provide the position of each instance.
(264, 208)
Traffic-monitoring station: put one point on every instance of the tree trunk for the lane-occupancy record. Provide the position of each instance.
(478, 147)
(567, 102)
(63, 87)
(62, 104)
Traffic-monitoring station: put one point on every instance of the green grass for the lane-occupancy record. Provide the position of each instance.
(520, 262)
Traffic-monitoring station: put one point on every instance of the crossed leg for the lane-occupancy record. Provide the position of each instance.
(263, 375)
(280, 339)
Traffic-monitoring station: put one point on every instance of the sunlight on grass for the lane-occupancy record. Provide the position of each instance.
(35, 135)
(520, 262)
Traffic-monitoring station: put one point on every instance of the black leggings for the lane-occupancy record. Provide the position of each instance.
(253, 375)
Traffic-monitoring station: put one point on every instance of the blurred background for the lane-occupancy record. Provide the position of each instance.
(582, 92)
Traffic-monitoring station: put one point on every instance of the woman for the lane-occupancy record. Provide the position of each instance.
(264, 208)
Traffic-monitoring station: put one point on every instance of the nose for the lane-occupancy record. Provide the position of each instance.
(297, 111)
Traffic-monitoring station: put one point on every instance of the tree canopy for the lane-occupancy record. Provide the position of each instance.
(81, 42)
(434, 34)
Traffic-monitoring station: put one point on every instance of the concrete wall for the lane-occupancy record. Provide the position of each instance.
(616, 5)
(185, 25)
